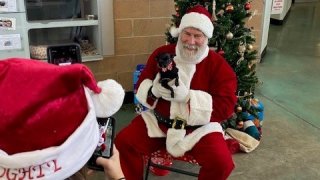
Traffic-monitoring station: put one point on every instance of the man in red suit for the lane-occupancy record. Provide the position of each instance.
(188, 122)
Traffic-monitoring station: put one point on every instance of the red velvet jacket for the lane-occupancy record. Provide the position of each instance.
(213, 75)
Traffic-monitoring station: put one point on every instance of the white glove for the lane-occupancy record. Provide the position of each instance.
(181, 92)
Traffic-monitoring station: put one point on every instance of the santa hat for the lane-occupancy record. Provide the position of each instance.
(197, 17)
(48, 117)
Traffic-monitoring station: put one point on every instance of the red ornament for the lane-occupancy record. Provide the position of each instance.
(247, 6)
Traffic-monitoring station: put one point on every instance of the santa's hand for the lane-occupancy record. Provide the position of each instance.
(181, 92)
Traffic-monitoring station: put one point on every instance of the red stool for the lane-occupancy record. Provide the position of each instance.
(160, 162)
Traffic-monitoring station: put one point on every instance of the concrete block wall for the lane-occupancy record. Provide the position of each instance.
(256, 22)
(139, 29)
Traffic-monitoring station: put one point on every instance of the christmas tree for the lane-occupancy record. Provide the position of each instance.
(233, 40)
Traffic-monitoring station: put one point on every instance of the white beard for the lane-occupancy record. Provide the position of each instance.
(194, 55)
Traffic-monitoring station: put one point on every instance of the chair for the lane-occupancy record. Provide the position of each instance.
(152, 162)
(162, 153)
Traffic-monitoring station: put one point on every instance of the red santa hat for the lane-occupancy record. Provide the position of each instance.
(48, 117)
(197, 17)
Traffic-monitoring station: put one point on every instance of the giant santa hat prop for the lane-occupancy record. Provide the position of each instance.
(197, 17)
(48, 127)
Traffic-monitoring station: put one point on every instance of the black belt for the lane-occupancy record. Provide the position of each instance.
(177, 123)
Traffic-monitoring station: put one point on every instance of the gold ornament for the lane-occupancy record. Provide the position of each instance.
(239, 109)
(229, 35)
(249, 46)
(229, 8)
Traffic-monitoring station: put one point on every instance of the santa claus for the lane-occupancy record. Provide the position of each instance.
(189, 121)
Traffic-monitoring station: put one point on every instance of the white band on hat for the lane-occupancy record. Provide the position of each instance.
(197, 20)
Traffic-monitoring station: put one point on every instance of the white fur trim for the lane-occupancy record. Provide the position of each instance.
(57, 162)
(152, 124)
(109, 100)
(247, 143)
(199, 21)
(186, 72)
(174, 31)
(200, 101)
(200, 107)
(174, 141)
(142, 94)
(178, 109)
(177, 143)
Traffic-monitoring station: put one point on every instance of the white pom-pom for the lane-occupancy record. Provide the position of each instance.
(174, 31)
(109, 100)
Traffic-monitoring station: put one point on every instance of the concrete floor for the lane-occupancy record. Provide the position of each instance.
(290, 146)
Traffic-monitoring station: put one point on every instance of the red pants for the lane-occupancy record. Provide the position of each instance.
(211, 152)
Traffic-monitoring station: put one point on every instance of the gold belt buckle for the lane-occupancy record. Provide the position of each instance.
(177, 121)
